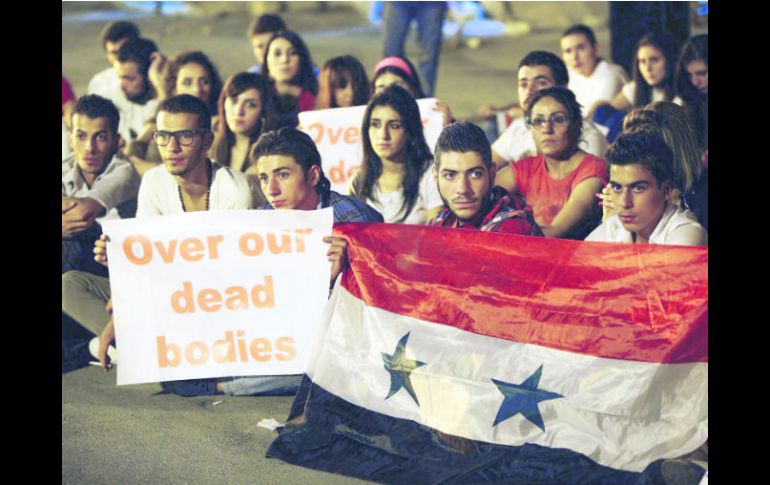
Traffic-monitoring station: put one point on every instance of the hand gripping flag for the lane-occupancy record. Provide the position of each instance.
(453, 356)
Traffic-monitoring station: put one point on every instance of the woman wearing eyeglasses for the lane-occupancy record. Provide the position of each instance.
(561, 181)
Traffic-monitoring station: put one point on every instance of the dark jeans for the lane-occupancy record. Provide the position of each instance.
(430, 19)
(77, 252)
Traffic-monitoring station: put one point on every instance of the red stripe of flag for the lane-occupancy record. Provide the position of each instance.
(624, 301)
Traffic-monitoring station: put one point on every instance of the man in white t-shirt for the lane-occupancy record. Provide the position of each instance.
(539, 70)
(113, 36)
(187, 181)
(139, 102)
(97, 184)
(591, 78)
(641, 166)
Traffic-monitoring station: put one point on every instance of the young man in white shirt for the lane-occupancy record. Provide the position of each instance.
(591, 78)
(641, 170)
(105, 83)
(187, 181)
(95, 180)
(539, 70)
(139, 101)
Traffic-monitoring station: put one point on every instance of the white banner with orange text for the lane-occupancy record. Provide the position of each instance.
(337, 134)
(217, 293)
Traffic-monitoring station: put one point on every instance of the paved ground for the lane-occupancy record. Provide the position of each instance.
(134, 434)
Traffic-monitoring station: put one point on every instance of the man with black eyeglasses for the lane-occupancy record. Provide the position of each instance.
(188, 181)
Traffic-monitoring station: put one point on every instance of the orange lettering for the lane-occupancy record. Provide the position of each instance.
(238, 299)
(191, 249)
(251, 244)
(260, 346)
(228, 344)
(167, 256)
(266, 290)
(335, 138)
(299, 240)
(352, 135)
(182, 301)
(285, 246)
(242, 346)
(337, 173)
(286, 344)
(190, 353)
(163, 349)
(319, 132)
(128, 249)
(209, 300)
(213, 245)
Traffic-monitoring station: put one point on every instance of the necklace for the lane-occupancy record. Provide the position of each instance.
(209, 180)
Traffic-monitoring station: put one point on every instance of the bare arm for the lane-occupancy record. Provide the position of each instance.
(505, 177)
(80, 216)
(498, 161)
(619, 102)
(445, 110)
(141, 165)
(578, 206)
(106, 339)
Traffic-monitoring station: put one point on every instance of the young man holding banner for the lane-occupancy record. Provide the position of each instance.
(187, 181)
(465, 177)
(291, 175)
(289, 170)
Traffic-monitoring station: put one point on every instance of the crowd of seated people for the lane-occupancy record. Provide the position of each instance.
(170, 137)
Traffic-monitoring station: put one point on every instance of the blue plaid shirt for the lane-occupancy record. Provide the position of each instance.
(346, 208)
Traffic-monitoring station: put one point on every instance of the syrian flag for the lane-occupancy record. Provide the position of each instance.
(454, 356)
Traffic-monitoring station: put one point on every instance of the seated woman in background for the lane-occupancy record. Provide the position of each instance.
(343, 83)
(188, 73)
(641, 174)
(652, 80)
(289, 68)
(561, 181)
(394, 177)
(400, 71)
(692, 84)
(246, 110)
(689, 176)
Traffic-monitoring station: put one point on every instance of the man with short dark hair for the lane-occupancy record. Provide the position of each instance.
(187, 181)
(139, 100)
(95, 180)
(113, 36)
(591, 78)
(641, 169)
(289, 169)
(539, 70)
(465, 176)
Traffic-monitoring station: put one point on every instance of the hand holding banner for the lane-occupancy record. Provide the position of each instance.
(212, 294)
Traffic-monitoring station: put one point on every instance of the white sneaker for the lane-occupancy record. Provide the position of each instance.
(112, 352)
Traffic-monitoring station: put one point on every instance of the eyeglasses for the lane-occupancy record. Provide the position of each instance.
(185, 138)
(554, 120)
